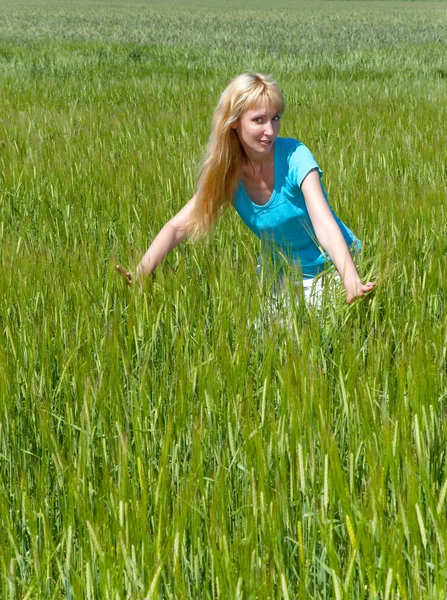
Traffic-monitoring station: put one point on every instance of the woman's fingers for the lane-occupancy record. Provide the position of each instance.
(126, 274)
(361, 291)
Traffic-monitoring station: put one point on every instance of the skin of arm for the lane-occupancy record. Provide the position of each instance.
(331, 238)
(170, 236)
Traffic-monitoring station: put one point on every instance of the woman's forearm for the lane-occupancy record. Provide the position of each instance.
(167, 239)
(170, 236)
(331, 238)
(334, 244)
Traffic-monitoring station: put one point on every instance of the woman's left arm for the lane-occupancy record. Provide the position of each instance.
(331, 238)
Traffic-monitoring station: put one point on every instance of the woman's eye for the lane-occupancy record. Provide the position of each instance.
(259, 120)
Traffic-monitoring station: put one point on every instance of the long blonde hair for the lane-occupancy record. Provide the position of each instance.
(220, 172)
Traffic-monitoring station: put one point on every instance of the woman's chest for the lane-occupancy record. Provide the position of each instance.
(259, 188)
(282, 213)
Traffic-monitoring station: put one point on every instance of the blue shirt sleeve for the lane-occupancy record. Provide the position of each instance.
(301, 162)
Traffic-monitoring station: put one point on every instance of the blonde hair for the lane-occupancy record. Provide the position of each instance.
(220, 172)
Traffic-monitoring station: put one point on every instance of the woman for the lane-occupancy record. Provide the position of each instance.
(274, 185)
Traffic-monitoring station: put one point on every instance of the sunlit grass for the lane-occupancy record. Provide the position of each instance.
(171, 446)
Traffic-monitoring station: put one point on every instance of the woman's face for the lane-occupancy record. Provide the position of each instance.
(257, 130)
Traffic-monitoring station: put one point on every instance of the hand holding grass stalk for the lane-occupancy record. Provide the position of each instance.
(129, 279)
(127, 275)
(358, 289)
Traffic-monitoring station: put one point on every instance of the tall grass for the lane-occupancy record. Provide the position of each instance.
(172, 447)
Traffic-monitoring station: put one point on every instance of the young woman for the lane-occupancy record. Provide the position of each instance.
(272, 182)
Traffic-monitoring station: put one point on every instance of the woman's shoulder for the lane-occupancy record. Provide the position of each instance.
(289, 146)
(294, 152)
(297, 159)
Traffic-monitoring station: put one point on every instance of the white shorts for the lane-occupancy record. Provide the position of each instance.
(313, 288)
(286, 292)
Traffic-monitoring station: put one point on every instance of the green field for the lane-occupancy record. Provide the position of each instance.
(173, 447)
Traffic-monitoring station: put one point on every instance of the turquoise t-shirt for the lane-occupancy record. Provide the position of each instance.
(284, 223)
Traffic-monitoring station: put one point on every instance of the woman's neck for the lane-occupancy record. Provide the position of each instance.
(258, 157)
(255, 167)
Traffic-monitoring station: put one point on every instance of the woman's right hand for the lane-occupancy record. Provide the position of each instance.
(130, 280)
(127, 275)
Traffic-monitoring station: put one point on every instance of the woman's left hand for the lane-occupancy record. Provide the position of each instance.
(358, 290)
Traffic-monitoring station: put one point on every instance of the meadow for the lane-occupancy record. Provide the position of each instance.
(171, 446)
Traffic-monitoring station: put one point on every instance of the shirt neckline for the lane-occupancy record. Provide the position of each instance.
(270, 200)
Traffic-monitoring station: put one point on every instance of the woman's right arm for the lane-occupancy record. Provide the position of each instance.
(170, 236)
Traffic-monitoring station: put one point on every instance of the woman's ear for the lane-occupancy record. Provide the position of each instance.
(234, 124)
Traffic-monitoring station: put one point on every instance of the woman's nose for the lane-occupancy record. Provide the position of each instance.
(268, 128)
